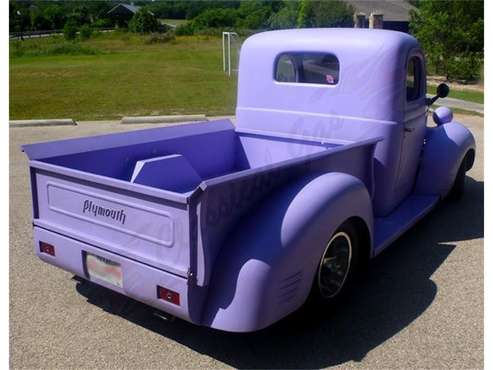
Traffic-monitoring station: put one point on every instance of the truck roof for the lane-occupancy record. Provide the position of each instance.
(333, 38)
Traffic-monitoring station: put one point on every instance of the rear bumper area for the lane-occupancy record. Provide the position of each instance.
(139, 281)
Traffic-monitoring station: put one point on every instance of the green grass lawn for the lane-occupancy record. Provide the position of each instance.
(473, 96)
(116, 74)
(176, 22)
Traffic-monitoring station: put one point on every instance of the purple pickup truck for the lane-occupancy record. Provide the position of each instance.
(236, 226)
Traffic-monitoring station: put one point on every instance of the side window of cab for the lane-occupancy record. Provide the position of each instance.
(414, 79)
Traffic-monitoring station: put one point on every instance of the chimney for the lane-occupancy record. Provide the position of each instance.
(359, 20)
(376, 20)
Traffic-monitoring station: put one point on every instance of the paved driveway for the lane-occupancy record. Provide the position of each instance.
(459, 104)
(420, 304)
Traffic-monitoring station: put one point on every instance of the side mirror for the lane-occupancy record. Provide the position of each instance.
(442, 92)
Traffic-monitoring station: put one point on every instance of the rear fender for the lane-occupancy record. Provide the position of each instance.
(266, 268)
(445, 148)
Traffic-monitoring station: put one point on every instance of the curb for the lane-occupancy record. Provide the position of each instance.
(164, 119)
(42, 122)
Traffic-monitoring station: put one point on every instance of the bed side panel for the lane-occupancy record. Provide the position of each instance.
(225, 203)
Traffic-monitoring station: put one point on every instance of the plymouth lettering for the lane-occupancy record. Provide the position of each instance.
(97, 210)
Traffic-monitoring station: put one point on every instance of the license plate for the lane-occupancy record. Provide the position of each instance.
(104, 269)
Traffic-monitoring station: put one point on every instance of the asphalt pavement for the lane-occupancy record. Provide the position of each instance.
(419, 305)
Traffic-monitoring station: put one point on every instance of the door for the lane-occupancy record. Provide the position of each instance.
(414, 124)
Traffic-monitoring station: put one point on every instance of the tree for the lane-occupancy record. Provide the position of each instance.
(70, 29)
(303, 18)
(214, 18)
(81, 15)
(19, 17)
(253, 14)
(286, 17)
(143, 22)
(55, 15)
(38, 20)
(334, 13)
(451, 32)
(85, 32)
(186, 9)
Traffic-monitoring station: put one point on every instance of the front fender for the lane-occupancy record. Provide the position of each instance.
(445, 148)
(266, 267)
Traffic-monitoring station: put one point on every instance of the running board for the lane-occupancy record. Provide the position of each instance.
(389, 228)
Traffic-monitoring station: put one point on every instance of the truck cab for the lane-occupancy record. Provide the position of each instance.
(236, 226)
(345, 84)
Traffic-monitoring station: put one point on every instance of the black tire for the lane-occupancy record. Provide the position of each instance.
(457, 190)
(320, 296)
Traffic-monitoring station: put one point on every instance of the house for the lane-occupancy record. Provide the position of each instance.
(122, 13)
(395, 14)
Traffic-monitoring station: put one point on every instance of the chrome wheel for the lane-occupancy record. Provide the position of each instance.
(334, 265)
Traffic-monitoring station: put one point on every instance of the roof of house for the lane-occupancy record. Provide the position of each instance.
(392, 10)
(129, 7)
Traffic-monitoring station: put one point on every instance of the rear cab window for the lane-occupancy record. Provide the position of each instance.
(309, 68)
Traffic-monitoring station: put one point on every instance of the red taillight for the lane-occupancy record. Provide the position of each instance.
(47, 248)
(168, 295)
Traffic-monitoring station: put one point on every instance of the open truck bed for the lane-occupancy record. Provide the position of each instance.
(155, 205)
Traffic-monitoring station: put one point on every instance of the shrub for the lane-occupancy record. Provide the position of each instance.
(143, 22)
(85, 32)
(253, 15)
(184, 29)
(71, 49)
(465, 67)
(214, 18)
(103, 23)
(55, 15)
(160, 38)
(70, 30)
(256, 20)
(217, 32)
(284, 18)
(39, 22)
(334, 13)
(60, 47)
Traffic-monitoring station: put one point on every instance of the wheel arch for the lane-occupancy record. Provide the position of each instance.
(365, 237)
(445, 148)
(470, 157)
(266, 268)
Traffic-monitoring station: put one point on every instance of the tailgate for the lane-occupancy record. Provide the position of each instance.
(152, 230)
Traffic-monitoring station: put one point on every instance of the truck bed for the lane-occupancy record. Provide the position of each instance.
(164, 199)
